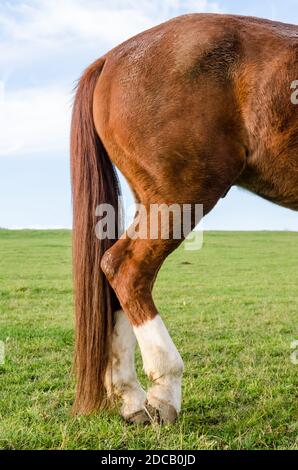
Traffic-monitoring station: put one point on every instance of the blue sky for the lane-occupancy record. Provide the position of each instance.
(44, 46)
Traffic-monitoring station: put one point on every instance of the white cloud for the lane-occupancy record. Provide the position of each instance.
(34, 121)
(32, 27)
(41, 35)
(89, 19)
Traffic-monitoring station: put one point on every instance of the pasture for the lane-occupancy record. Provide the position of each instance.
(231, 308)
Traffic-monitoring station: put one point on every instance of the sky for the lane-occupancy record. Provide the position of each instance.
(44, 47)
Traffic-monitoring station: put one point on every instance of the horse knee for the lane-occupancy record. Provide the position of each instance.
(123, 276)
(109, 265)
(113, 258)
(130, 267)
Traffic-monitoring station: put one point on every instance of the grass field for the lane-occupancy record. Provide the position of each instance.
(231, 309)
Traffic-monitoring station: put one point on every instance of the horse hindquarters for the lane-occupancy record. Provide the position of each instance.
(187, 148)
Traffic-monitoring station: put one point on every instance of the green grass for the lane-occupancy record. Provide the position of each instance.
(231, 309)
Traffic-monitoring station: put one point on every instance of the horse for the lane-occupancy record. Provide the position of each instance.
(184, 111)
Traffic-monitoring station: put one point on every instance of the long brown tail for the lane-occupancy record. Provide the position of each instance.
(94, 181)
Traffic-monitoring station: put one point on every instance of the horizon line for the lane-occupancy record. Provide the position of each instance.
(60, 228)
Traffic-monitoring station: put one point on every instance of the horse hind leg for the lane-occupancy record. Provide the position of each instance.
(164, 366)
(131, 266)
(121, 379)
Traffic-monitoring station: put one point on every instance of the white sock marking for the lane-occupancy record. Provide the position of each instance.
(121, 375)
(162, 362)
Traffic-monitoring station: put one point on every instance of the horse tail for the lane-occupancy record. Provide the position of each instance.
(94, 181)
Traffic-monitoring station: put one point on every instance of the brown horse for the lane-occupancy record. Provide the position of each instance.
(184, 110)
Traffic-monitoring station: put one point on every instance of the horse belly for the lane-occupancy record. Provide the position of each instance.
(274, 179)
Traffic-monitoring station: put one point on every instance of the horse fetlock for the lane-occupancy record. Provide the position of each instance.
(166, 389)
(164, 364)
(134, 400)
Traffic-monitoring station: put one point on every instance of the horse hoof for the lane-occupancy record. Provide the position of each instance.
(140, 417)
(161, 412)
